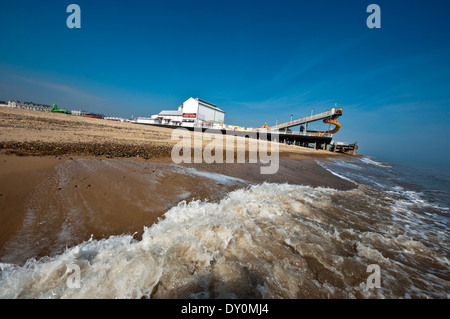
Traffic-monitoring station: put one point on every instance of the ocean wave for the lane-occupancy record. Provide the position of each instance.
(410, 198)
(370, 161)
(264, 241)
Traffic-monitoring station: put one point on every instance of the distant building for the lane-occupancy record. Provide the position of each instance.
(164, 117)
(79, 112)
(193, 113)
(170, 117)
(27, 105)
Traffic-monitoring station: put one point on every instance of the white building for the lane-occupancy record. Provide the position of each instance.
(79, 112)
(199, 112)
(27, 105)
(170, 117)
(193, 112)
(164, 117)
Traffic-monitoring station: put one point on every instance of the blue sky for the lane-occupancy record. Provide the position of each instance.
(258, 60)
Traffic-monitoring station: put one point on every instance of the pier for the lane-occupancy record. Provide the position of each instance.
(282, 133)
(305, 140)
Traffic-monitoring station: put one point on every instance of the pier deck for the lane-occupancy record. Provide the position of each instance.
(315, 141)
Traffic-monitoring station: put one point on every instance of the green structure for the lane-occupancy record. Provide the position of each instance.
(55, 109)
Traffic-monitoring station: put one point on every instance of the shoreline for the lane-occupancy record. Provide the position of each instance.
(64, 180)
(50, 203)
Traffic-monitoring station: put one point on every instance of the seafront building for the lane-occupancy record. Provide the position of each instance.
(79, 112)
(27, 105)
(192, 113)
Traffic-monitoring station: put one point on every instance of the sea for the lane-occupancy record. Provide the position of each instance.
(386, 238)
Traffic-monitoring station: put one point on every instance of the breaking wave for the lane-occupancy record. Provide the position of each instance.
(263, 241)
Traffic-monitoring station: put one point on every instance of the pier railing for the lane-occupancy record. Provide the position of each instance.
(303, 120)
(323, 134)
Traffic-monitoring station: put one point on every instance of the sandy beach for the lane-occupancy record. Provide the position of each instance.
(65, 179)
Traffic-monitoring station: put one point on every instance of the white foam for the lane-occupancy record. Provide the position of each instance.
(220, 178)
(409, 198)
(336, 174)
(370, 161)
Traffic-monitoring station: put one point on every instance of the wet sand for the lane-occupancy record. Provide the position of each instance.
(65, 179)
